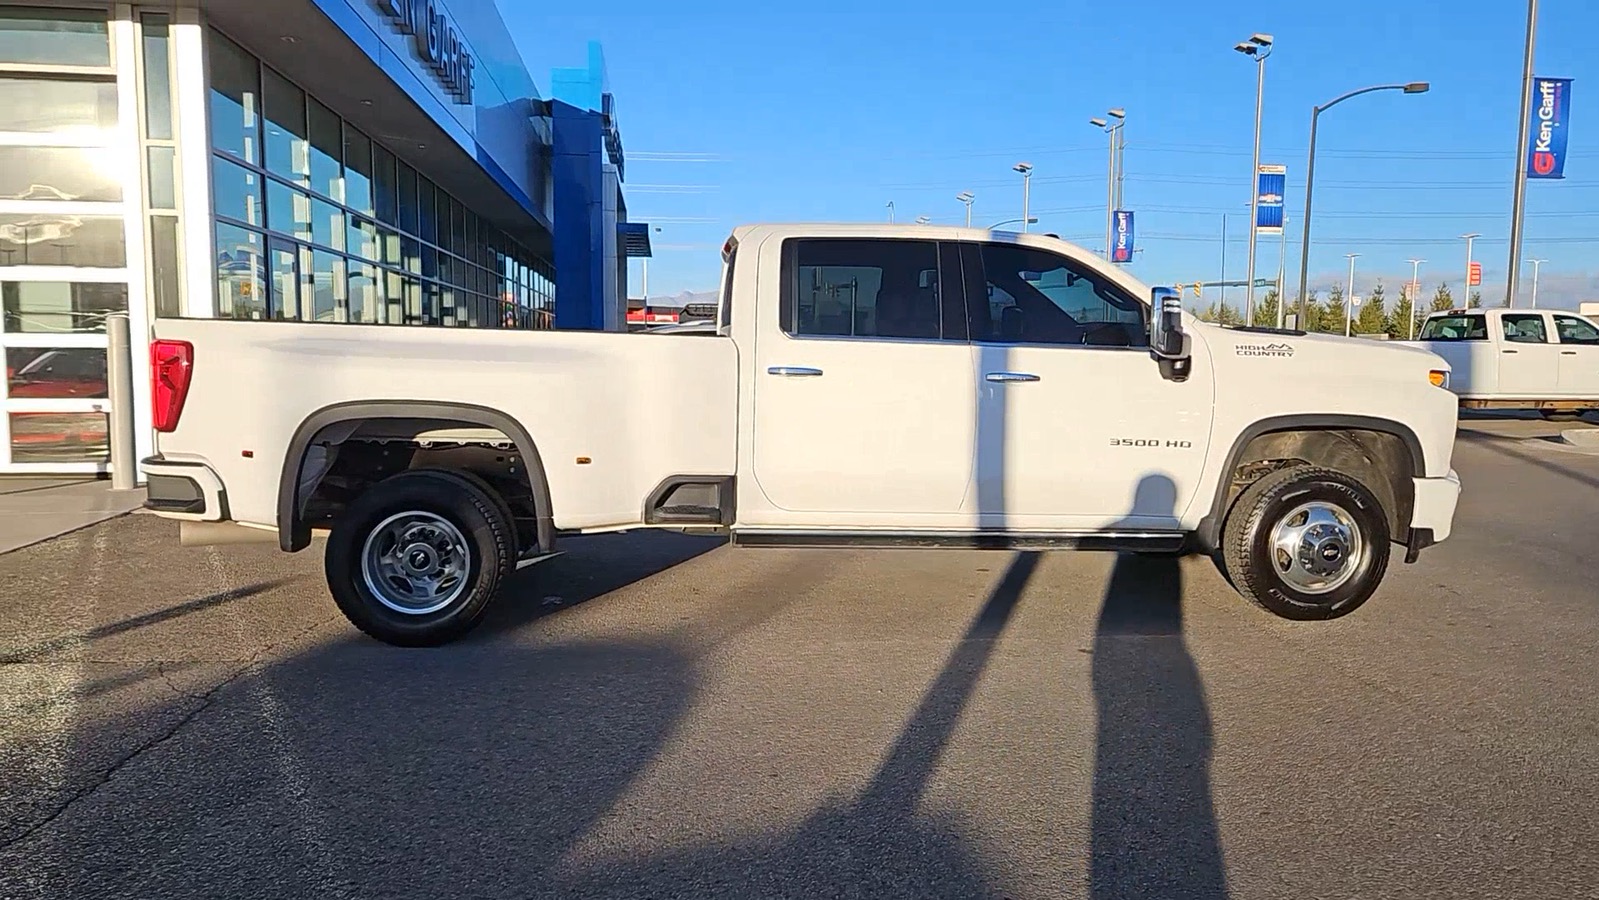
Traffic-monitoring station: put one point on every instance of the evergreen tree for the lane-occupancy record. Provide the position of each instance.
(1266, 310)
(1398, 323)
(1313, 314)
(1373, 315)
(1475, 301)
(1332, 313)
(1442, 299)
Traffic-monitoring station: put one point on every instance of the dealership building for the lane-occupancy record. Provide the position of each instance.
(381, 162)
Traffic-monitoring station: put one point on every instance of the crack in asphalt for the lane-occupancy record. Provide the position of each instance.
(250, 663)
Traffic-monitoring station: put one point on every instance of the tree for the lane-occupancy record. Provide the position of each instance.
(1266, 310)
(1401, 320)
(1332, 313)
(1442, 299)
(1475, 301)
(1373, 316)
(1222, 314)
(1312, 319)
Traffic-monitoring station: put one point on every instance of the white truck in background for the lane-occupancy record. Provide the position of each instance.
(865, 386)
(1536, 359)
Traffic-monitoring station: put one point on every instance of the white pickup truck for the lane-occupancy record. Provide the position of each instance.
(865, 386)
(1540, 359)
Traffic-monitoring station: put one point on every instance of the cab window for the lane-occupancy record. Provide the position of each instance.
(1455, 328)
(874, 288)
(1575, 330)
(1034, 296)
(1526, 328)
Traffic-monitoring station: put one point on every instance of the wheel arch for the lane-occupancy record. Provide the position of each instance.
(294, 533)
(1330, 429)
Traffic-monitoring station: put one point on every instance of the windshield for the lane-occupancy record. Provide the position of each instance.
(1455, 328)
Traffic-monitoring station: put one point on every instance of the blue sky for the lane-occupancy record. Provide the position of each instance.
(740, 112)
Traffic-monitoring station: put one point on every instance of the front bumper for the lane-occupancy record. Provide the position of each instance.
(184, 489)
(1433, 516)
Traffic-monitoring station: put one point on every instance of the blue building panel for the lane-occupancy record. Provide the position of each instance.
(492, 121)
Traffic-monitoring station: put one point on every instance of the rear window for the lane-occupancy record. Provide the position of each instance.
(1455, 328)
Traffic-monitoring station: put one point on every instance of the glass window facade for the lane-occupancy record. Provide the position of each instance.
(317, 222)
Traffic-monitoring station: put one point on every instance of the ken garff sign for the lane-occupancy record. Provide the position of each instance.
(1122, 249)
(1270, 183)
(437, 43)
(1551, 111)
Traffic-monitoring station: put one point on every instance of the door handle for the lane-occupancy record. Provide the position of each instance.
(1568, 353)
(1010, 376)
(794, 371)
(1509, 351)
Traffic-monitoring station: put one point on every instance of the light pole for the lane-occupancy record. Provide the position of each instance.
(923, 220)
(1259, 47)
(1120, 141)
(967, 197)
(1026, 169)
(1535, 264)
(890, 212)
(1519, 197)
(1032, 221)
(1349, 298)
(1414, 87)
(1415, 289)
(1465, 298)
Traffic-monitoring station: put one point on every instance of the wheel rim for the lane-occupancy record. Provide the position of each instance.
(1317, 547)
(415, 562)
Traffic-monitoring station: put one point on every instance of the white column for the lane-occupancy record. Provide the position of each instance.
(190, 89)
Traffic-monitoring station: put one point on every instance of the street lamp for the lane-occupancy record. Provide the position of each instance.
(1031, 221)
(1259, 47)
(1415, 290)
(1349, 298)
(890, 212)
(1465, 297)
(1112, 172)
(967, 197)
(1535, 264)
(1414, 87)
(1026, 169)
(1518, 198)
(923, 220)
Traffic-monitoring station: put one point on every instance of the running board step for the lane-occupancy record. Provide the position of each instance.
(1153, 541)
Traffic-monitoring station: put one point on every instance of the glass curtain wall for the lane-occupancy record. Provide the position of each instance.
(316, 222)
(64, 184)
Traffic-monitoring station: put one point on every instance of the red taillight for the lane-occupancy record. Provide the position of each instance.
(171, 365)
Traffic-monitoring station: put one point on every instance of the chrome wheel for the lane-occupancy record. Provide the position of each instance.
(1316, 547)
(416, 562)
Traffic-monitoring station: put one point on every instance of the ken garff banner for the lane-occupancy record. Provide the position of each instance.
(1122, 249)
(1270, 183)
(1551, 110)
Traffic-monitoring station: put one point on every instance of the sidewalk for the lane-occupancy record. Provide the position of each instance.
(34, 509)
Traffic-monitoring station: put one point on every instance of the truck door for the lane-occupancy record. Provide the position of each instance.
(1579, 355)
(1077, 428)
(862, 385)
(1529, 365)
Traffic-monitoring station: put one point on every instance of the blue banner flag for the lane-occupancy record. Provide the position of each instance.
(1122, 249)
(1270, 183)
(1551, 109)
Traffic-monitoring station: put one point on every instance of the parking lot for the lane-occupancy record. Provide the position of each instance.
(662, 716)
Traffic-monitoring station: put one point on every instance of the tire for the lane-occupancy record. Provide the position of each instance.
(460, 535)
(1561, 415)
(1353, 524)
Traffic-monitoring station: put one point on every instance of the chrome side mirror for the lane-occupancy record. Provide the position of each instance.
(1168, 343)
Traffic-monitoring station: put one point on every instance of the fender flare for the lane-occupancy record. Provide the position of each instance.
(295, 535)
(1209, 530)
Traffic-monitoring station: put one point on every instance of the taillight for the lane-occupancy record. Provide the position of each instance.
(171, 366)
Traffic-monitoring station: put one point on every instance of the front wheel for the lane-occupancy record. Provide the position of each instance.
(1306, 543)
(416, 560)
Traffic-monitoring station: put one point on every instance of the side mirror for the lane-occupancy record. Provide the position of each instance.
(1168, 343)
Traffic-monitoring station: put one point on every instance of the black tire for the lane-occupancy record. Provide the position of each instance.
(1251, 563)
(485, 555)
(1561, 415)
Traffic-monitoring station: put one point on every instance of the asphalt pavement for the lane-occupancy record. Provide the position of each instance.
(660, 716)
